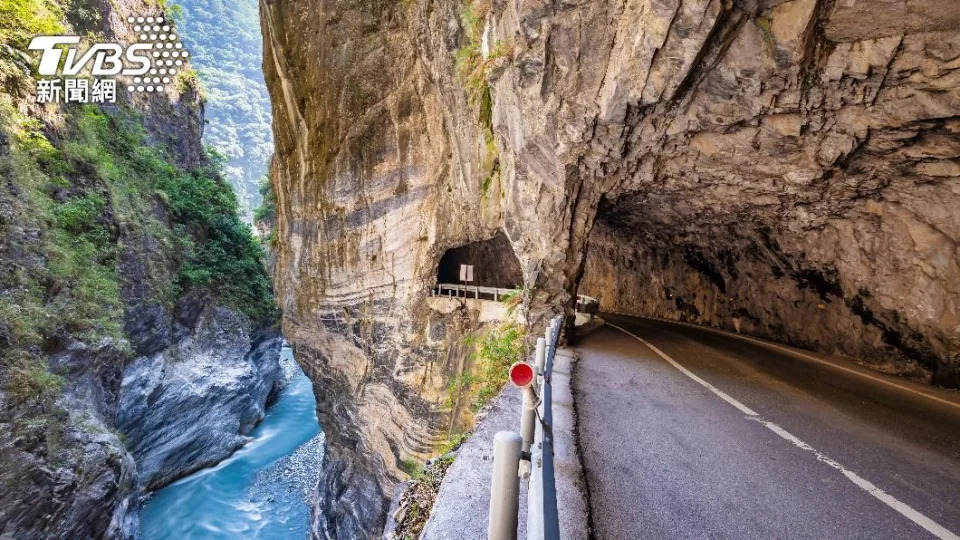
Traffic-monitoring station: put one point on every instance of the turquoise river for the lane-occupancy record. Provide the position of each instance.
(262, 491)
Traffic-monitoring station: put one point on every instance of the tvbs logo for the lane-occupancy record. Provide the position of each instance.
(71, 75)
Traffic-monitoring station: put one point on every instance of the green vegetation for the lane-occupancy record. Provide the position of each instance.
(452, 443)
(32, 380)
(175, 12)
(514, 298)
(765, 25)
(223, 38)
(80, 260)
(267, 211)
(95, 218)
(411, 467)
(473, 71)
(187, 80)
(491, 355)
(265, 215)
(418, 499)
(94, 197)
(22, 20)
(76, 215)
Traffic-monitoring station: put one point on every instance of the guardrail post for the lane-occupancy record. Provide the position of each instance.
(528, 417)
(548, 337)
(505, 492)
(551, 528)
(541, 355)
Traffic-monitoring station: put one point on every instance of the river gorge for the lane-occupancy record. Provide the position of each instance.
(784, 169)
(264, 490)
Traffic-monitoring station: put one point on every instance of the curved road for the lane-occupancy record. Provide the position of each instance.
(706, 435)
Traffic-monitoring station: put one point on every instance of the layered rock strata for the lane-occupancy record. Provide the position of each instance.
(759, 159)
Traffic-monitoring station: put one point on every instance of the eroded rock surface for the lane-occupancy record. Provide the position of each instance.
(68, 469)
(756, 159)
(191, 405)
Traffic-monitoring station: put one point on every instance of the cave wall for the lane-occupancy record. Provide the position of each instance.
(825, 128)
(751, 287)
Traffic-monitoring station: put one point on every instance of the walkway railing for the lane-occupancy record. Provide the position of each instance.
(585, 304)
(528, 454)
(454, 290)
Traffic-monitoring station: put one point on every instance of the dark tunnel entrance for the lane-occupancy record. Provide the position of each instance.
(494, 263)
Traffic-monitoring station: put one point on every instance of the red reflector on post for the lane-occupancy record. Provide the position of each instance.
(521, 374)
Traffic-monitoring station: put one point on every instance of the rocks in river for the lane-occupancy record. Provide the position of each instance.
(193, 404)
(288, 368)
(297, 474)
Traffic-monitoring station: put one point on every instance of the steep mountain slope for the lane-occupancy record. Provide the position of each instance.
(122, 264)
(227, 53)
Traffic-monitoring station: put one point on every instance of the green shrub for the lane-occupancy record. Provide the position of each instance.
(452, 443)
(31, 380)
(227, 258)
(80, 215)
(267, 211)
(412, 467)
(491, 356)
(21, 20)
(223, 256)
(110, 181)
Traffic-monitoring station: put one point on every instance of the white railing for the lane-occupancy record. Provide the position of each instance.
(528, 454)
(472, 291)
(585, 304)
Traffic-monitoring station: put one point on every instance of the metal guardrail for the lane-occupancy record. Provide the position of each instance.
(585, 304)
(528, 453)
(454, 290)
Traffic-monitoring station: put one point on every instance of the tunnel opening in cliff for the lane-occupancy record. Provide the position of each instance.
(493, 260)
(747, 273)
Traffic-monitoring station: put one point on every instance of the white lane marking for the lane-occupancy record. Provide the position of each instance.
(743, 408)
(805, 356)
(902, 508)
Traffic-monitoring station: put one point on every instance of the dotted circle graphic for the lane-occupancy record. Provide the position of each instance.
(166, 57)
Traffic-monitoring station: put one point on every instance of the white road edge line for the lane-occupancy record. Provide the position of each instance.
(902, 508)
(802, 355)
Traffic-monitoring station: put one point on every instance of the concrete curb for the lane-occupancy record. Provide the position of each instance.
(460, 511)
(463, 502)
(572, 504)
(585, 330)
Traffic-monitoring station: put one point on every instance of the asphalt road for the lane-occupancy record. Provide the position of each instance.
(734, 439)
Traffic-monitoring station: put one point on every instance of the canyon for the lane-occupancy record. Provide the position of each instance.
(138, 334)
(785, 169)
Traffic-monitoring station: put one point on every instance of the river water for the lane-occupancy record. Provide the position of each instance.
(264, 490)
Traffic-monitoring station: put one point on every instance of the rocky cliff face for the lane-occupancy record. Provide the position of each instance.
(790, 167)
(191, 405)
(112, 329)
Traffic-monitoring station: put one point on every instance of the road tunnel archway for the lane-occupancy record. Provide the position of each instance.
(743, 271)
(493, 260)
